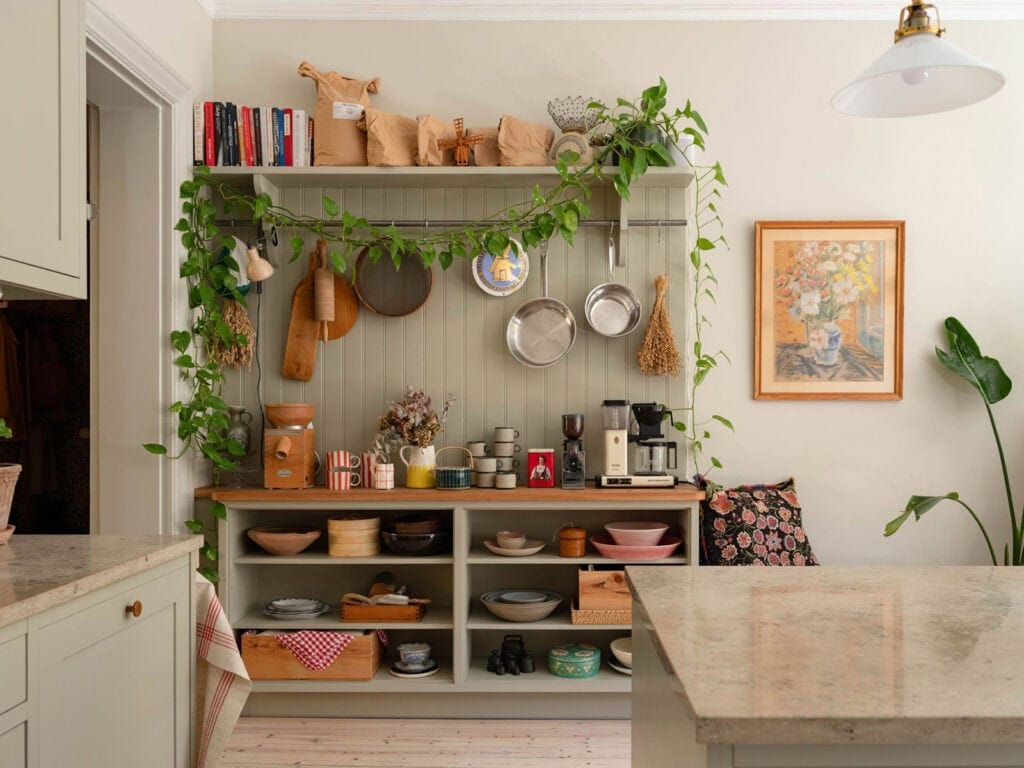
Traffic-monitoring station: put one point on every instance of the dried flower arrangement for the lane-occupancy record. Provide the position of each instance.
(409, 422)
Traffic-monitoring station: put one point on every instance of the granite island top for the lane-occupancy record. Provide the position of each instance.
(40, 572)
(866, 655)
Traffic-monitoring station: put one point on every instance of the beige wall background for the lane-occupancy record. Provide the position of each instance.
(764, 89)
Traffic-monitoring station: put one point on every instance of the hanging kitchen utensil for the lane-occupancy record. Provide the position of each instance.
(387, 290)
(323, 290)
(332, 291)
(658, 355)
(542, 331)
(303, 330)
(612, 309)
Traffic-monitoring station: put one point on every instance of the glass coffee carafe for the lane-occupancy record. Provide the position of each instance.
(656, 457)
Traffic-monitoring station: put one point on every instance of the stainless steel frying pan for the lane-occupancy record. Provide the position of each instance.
(542, 331)
(612, 309)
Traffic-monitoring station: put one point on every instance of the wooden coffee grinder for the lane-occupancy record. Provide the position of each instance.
(289, 446)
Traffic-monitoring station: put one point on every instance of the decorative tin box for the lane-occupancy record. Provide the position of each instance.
(574, 660)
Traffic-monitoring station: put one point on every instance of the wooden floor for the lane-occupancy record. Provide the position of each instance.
(327, 743)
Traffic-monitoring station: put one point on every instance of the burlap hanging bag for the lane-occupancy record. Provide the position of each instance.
(340, 104)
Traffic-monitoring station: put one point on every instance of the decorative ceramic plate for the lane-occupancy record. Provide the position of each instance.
(532, 547)
(607, 547)
(619, 668)
(504, 274)
(397, 670)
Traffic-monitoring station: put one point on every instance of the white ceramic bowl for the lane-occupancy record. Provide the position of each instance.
(635, 533)
(622, 648)
(520, 612)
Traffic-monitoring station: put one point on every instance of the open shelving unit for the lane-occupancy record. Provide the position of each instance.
(461, 630)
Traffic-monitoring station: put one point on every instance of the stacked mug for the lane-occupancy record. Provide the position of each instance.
(505, 449)
(484, 466)
(343, 470)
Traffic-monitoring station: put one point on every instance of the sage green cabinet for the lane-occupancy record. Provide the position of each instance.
(14, 747)
(42, 199)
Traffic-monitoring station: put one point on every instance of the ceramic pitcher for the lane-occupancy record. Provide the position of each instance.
(420, 464)
(238, 426)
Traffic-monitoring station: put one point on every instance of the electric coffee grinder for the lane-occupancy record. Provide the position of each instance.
(574, 474)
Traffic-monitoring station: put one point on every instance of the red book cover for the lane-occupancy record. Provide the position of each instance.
(210, 151)
(247, 133)
(288, 159)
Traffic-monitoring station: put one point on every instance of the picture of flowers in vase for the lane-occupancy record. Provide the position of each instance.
(822, 285)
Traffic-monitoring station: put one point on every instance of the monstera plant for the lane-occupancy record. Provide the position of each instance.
(988, 378)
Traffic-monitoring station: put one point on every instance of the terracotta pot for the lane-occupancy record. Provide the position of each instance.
(8, 480)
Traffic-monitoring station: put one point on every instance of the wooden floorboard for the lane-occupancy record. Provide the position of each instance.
(262, 742)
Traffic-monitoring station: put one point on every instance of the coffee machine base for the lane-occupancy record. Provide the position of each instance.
(637, 481)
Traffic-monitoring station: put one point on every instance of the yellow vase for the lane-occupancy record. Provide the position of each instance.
(419, 466)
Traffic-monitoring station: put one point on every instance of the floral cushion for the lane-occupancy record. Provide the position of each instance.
(753, 525)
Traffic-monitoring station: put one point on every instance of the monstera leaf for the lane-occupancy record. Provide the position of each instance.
(964, 358)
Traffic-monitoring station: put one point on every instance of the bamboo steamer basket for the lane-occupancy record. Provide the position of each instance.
(355, 534)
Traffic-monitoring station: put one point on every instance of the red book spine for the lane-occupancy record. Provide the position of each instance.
(288, 159)
(210, 153)
(247, 133)
(309, 142)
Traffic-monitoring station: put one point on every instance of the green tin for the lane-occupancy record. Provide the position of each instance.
(574, 660)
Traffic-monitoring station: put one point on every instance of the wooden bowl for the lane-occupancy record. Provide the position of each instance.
(289, 414)
(283, 541)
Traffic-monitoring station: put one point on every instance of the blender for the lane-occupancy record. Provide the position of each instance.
(574, 474)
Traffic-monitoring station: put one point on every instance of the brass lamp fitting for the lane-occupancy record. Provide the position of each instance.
(916, 19)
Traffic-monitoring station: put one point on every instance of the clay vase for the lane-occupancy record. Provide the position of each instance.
(8, 480)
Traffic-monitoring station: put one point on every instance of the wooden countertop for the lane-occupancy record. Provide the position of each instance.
(683, 493)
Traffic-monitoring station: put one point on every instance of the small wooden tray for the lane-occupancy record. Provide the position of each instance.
(366, 613)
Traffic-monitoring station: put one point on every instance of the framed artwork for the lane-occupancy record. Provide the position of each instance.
(828, 312)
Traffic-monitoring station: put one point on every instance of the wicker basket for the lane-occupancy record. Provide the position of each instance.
(623, 616)
(8, 479)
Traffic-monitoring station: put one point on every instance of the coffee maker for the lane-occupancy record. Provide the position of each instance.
(574, 474)
(656, 454)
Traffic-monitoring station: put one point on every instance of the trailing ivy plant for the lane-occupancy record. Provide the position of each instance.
(640, 134)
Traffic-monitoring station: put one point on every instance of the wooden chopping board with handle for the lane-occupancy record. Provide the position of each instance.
(303, 330)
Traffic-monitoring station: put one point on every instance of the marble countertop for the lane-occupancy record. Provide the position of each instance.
(842, 655)
(40, 572)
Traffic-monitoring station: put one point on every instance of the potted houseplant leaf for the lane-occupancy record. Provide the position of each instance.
(989, 380)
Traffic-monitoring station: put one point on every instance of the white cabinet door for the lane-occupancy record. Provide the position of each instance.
(42, 195)
(113, 687)
(13, 747)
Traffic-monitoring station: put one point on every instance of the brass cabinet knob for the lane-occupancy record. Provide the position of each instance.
(135, 609)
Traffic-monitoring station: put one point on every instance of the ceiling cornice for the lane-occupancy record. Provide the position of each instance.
(597, 10)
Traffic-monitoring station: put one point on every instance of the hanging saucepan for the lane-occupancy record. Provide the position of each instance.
(612, 309)
(542, 331)
(388, 290)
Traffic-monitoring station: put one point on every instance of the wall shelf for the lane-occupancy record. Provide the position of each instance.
(322, 558)
(559, 620)
(481, 556)
(439, 617)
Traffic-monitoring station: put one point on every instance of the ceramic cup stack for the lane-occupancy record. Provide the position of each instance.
(343, 470)
(505, 449)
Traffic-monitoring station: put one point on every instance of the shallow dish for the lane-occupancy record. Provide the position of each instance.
(531, 547)
(622, 649)
(400, 670)
(618, 668)
(283, 541)
(295, 604)
(521, 612)
(604, 544)
(416, 544)
(636, 533)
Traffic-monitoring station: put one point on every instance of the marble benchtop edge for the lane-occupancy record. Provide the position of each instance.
(81, 580)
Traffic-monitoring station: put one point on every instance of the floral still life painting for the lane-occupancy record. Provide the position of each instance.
(829, 310)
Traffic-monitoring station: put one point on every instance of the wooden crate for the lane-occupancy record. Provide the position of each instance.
(602, 590)
(265, 659)
(365, 613)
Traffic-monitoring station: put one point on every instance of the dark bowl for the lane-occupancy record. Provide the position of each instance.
(416, 544)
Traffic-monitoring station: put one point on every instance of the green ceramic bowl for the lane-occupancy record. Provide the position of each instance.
(574, 660)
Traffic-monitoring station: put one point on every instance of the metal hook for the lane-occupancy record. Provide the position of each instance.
(659, 231)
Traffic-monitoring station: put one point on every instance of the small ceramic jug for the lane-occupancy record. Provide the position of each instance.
(238, 426)
(419, 466)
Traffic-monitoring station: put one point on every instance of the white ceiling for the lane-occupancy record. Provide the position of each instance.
(598, 10)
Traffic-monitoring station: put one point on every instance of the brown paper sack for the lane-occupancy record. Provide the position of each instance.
(524, 143)
(486, 152)
(340, 102)
(430, 130)
(390, 139)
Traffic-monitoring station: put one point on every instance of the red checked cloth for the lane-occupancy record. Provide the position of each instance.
(222, 682)
(316, 650)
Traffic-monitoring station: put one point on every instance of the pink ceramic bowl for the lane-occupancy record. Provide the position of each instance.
(636, 533)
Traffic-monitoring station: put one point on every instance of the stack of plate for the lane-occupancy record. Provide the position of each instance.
(293, 608)
(418, 524)
(521, 605)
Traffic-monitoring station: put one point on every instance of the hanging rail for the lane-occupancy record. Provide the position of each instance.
(442, 223)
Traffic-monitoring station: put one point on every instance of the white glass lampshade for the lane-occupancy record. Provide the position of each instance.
(919, 75)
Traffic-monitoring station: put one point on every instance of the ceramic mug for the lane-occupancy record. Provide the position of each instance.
(414, 654)
(506, 449)
(505, 434)
(485, 479)
(345, 459)
(384, 477)
(505, 480)
(485, 464)
(477, 447)
(367, 462)
(506, 464)
(342, 478)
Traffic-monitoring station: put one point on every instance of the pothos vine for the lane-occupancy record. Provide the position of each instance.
(208, 269)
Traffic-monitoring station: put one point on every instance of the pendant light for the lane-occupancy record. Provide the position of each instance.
(921, 74)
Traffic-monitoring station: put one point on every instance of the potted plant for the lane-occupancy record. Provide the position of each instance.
(8, 480)
(411, 426)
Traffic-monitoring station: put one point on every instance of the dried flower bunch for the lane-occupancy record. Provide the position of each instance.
(658, 355)
(226, 348)
(409, 422)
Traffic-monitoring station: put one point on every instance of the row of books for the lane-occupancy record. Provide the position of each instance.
(228, 134)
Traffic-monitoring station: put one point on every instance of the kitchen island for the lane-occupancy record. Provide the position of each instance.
(96, 649)
(837, 667)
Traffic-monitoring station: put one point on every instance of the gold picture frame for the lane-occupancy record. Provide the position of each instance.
(828, 310)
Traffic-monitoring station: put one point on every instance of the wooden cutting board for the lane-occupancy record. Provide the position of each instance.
(303, 331)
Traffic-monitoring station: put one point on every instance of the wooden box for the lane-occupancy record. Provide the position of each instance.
(289, 458)
(365, 613)
(602, 590)
(265, 659)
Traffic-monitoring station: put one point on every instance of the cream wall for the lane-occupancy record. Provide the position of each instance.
(764, 89)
